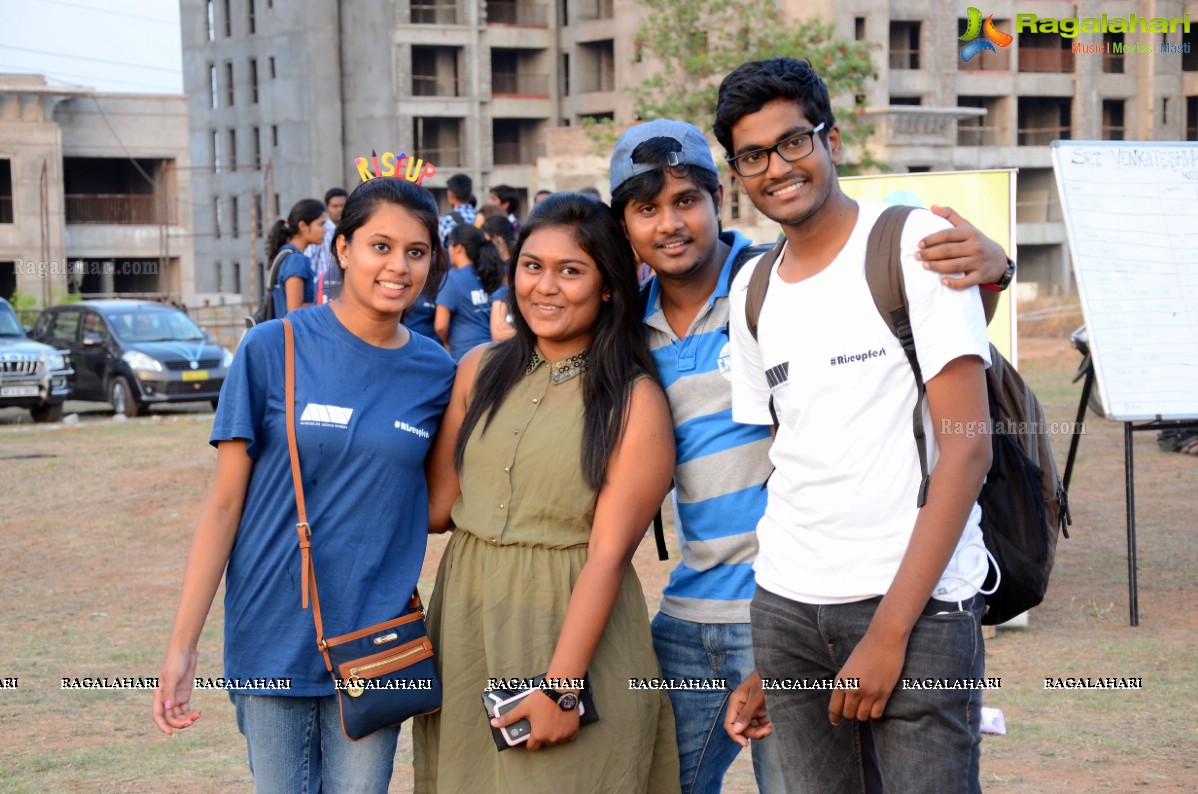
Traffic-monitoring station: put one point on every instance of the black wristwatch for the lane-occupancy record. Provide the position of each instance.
(1005, 281)
(566, 701)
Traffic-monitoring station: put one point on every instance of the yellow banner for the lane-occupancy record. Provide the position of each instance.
(984, 198)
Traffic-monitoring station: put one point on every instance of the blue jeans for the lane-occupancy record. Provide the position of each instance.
(296, 746)
(928, 740)
(710, 650)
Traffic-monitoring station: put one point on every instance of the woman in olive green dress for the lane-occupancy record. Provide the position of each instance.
(555, 452)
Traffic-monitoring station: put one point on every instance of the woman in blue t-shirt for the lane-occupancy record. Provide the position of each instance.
(295, 285)
(463, 318)
(498, 230)
(369, 398)
(420, 315)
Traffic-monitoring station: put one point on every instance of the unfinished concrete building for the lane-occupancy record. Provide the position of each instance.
(284, 95)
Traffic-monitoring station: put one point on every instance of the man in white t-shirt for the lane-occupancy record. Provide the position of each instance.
(855, 583)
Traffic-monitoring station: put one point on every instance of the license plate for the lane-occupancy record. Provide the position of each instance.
(19, 391)
(201, 374)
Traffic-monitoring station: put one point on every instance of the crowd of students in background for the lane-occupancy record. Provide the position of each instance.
(471, 305)
(467, 306)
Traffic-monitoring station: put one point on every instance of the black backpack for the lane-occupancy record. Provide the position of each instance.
(1024, 505)
(266, 307)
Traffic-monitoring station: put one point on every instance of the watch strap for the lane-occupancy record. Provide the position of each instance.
(557, 697)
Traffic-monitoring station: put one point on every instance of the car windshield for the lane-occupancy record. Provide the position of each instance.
(8, 323)
(154, 325)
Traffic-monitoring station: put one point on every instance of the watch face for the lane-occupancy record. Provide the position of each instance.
(568, 701)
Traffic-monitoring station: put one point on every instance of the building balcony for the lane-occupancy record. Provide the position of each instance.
(518, 153)
(987, 62)
(594, 9)
(1043, 136)
(435, 85)
(904, 58)
(519, 84)
(912, 125)
(112, 209)
(445, 157)
(505, 12)
(1045, 59)
(432, 13)
(978, 135)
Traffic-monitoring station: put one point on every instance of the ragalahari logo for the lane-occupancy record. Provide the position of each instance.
(990, 35)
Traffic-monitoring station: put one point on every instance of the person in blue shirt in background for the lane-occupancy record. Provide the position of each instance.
(666, 190)
(498, 230)
(369, 399)
(420, 315)
(463, 318)
(295, 285)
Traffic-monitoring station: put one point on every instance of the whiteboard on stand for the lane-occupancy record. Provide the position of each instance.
(1131, 209)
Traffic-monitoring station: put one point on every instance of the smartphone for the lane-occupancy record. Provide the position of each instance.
(518, 732)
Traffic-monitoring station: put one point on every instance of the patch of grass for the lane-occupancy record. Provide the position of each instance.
(104, 527)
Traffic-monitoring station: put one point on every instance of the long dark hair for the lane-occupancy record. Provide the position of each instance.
(306, 210)
(413, 199)
(482, 253)
(618, 353)
(498, 227)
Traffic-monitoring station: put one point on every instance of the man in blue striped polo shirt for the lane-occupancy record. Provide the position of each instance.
(666, 191)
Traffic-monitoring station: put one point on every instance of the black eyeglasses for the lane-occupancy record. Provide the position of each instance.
(791, 150)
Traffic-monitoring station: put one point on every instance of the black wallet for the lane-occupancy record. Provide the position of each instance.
(498, 701)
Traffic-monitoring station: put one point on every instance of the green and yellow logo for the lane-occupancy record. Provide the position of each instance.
(990, 35)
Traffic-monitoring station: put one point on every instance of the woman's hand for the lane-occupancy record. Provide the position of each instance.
(501, 329)
(206, 563)
(172, 698)
(550, 724)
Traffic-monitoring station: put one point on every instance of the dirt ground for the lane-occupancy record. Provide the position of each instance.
(95, 521)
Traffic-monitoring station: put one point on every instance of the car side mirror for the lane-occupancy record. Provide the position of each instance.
(92, 339)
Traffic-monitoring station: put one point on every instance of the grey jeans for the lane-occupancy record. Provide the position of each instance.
(928, 740)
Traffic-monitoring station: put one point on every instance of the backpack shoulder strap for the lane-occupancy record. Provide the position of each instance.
(273, 276)
(884, 274)
(759, 284)
(744, 255)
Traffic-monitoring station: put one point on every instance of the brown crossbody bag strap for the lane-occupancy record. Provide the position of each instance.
(307, 572)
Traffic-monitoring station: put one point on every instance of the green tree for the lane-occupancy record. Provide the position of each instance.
(696, 42)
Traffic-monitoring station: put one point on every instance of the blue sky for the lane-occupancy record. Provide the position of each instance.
(127, 46)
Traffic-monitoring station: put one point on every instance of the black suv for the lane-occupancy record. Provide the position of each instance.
(135, 353)
(32, 375)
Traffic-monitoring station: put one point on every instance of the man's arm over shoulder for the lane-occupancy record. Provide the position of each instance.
(947, 323)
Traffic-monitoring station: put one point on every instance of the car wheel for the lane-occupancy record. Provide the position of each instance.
(123, 399)
(47, 413)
